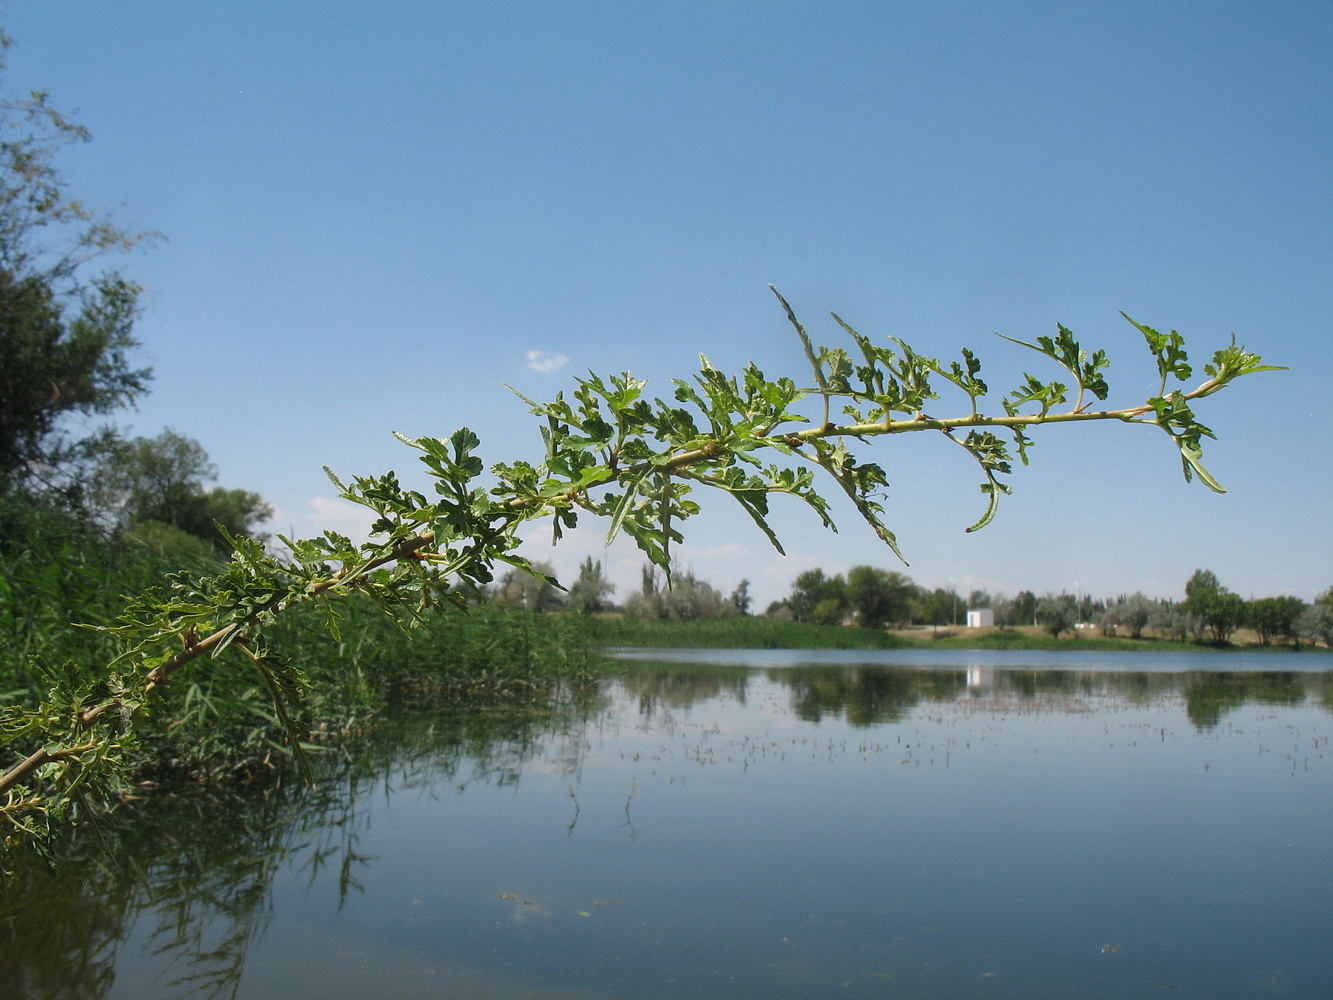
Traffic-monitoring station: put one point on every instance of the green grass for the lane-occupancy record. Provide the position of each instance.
(216, 718)
(737, 633)
(1017, 639)
(1011, 639)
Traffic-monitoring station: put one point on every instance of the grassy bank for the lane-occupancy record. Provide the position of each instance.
(761, 633)
(215, 720)
(737, 633)
(1028, 637)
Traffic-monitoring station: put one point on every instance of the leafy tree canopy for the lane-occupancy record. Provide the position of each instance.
(162, 480)
(65, 333)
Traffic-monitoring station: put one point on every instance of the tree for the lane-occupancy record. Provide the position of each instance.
(940, 607)
(685, 599)
(1274, 617)
(530, 588)
(1109, 622)
(879, 597)
(1211, 608)
(608, 452)
(1057, 614)
(65, 335)
(1201, 582)
(1024, 610)
(588, 594)
(1169, 619)
(1316, 623)
(1131, 613)
(740, 598)
(162, 480)
(818, 598)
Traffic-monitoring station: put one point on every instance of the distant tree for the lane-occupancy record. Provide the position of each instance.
(1025, 608)
(588, 594)
(533, 591)
(1316, 623)
(691, 598)
(1130, 613)
(1089, 608)
(818, 598)
(686, 599)
(740, 598)
(1201, 580)
(1169, 619)
(1057, 614)
(1274, 617)
(940, 607)
(979, 599)
(162, 480)
(1109, 622)
(1211, 608)
(65, 334)
(879, 597)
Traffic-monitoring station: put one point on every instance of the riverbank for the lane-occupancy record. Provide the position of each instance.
(762, 633)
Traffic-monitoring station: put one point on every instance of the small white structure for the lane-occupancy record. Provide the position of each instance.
(980, 618)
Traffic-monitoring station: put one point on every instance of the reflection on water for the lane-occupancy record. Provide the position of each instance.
(793, 828)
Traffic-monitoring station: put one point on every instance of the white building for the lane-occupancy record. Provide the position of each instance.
(980, 618)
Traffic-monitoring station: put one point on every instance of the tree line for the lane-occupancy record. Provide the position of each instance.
(877, 598)
(682, 596)
(872, 597)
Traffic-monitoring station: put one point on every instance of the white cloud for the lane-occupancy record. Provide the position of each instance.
(546, 361)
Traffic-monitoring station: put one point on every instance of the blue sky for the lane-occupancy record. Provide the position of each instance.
(374, 213)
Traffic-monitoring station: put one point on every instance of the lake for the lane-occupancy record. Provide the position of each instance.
(766, 824)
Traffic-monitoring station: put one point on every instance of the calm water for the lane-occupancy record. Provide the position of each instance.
(768, 825)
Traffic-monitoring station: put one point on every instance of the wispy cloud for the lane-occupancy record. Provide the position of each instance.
(546, 361)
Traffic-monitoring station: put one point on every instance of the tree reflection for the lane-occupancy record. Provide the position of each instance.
(869, 694)
(1208, 696)
(187, 877)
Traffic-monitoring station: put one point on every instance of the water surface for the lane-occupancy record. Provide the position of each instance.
(768, 824)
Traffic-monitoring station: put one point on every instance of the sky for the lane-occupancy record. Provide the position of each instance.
(375, 215)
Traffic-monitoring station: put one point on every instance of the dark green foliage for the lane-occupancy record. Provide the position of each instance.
(818, 599)
(65, 335)
(1057, 614)
(57, 570)
(1211, 608)
(53, 364)
(161, 481)
(880, 597)
(1274, 617)
(942, 606)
